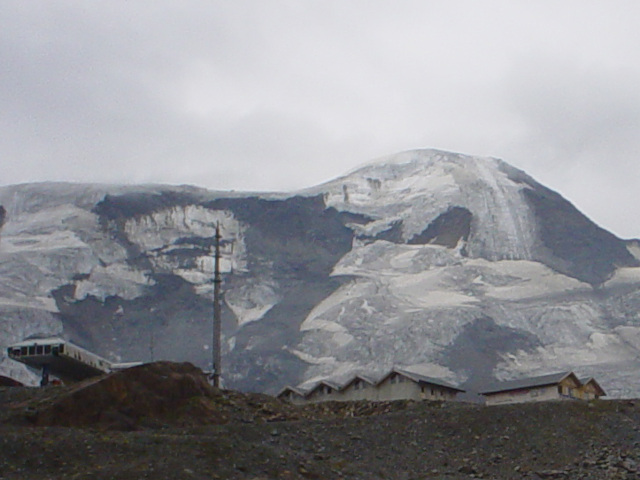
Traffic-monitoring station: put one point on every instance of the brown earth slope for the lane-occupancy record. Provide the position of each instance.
(164, 421)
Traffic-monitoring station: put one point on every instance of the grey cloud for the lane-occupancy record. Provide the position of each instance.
(283, 95)
(579, 134)
(574, 109)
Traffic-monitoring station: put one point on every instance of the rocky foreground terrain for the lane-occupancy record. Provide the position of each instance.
(164, 421)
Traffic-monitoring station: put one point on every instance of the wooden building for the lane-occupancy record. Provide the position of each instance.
(591, 389)
(557, 386)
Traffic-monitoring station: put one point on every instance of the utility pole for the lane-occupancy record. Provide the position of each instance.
(217, 320)
(152, 345)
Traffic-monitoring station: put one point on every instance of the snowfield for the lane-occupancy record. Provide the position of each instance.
(461, 267)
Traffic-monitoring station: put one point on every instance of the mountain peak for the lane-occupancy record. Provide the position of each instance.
(416, 187)
(414, 162)
(498, 211)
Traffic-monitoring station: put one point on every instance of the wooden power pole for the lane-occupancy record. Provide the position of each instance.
(217, 320)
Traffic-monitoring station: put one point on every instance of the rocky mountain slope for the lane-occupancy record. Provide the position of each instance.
(460, 267)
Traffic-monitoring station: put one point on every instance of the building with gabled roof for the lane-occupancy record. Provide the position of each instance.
(402, 384)
(292, 395)
(556, 386)
(359, 387)
(323, 391)
(397, 384)
(591, 389)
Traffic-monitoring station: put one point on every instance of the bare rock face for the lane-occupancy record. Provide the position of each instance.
(462, 267)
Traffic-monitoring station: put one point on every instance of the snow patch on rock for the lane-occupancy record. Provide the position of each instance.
(164, 234)
(47, 304)
(416, 187)
(522, 280)
(634, 248)
(624, 276)
(251, 301)
(113, 280)
(162, 228)
(308, 358)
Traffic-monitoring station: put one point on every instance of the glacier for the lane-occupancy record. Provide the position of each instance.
(460, 267)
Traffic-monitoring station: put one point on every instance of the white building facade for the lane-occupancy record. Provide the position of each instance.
(395, 385)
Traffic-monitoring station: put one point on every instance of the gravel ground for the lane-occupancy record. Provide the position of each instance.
(261, 438)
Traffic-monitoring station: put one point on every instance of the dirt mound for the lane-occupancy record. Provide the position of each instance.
(151, 395)
(9, 382)
(162, 394)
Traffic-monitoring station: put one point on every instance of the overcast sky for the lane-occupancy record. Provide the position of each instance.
(281, 95)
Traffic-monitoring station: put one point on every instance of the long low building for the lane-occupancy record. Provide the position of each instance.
(395, 385)
(59, 357)
(556, 386)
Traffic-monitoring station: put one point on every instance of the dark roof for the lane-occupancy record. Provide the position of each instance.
(541, 381)
(364, 378)
(295, 390)
(416, 377)
(424, 379)
(328, 383)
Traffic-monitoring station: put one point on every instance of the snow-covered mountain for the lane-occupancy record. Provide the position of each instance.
(460, 267)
